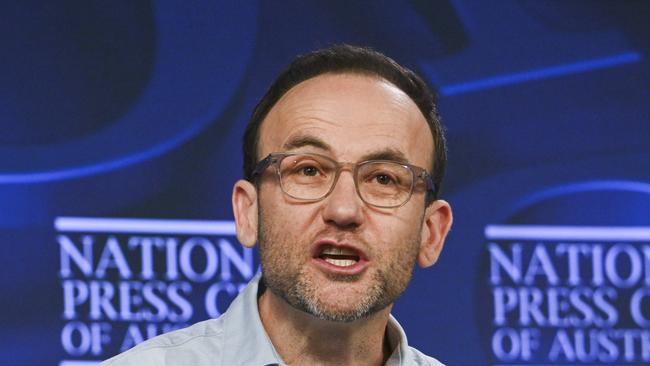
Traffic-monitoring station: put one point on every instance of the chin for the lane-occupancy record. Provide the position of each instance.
(343, 307)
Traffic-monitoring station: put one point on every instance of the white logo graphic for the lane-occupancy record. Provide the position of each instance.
(126, 280)
(565, 294)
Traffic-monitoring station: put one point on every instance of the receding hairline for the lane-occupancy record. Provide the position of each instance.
(356, 60)
(350, 72)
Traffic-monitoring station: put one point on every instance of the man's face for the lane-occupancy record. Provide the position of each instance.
(349, 118)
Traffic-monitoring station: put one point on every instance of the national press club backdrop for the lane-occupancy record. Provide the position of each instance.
(120, 139)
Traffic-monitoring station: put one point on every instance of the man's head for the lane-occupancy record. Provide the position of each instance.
(354, 60)
(348, 253)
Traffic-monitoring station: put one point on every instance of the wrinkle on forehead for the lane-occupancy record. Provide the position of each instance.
(342, 85)
(349, 112)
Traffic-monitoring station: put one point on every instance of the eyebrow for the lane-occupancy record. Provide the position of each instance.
(386, 154)
(306, 140)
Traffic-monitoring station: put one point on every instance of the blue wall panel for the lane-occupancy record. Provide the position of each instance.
(135, 110)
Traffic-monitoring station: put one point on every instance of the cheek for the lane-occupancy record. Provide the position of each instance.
(283, 216)
(402, 224)
(397, 237)
(283, 227)
(399, 251)
(275, 243)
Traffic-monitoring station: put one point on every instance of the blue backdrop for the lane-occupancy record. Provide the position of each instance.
(122, 110)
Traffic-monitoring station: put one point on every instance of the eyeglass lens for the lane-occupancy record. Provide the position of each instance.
(310, 177)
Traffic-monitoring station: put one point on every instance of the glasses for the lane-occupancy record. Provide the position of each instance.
(379, 183)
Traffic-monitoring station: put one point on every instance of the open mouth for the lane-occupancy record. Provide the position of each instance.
(338, 256)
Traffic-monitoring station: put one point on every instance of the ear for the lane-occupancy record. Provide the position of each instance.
(244, 206)
(436, 225)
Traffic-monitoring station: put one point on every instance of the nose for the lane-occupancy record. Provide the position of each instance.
(343, 206)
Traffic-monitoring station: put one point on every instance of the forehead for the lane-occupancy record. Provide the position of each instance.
(354, 115)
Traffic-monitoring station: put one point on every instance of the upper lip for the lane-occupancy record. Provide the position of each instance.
(319, 245)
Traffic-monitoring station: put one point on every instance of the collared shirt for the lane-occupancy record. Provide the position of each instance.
(238, 338)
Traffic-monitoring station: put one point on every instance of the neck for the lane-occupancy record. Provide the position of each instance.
(302, 339)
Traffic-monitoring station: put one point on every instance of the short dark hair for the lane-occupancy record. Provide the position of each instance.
(340, 59)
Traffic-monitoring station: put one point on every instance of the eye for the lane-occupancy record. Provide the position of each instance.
(383, 179)
(309, 171)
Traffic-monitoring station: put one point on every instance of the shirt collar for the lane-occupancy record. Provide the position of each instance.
(397, 342)
(246, 341)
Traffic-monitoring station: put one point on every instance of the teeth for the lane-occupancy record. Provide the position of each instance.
(338, 251)
(340, 262)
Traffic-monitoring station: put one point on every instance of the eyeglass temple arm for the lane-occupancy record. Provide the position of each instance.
(259, 168)
(431, 186)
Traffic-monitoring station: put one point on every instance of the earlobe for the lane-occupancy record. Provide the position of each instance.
(244, 205)
(436, 225)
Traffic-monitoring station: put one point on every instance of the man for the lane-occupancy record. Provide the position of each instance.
(343, 158)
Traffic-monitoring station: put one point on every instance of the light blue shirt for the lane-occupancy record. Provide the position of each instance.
(238, 338)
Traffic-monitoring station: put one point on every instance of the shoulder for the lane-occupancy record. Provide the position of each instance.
(405, 354)
(415, 357)
(198, 344)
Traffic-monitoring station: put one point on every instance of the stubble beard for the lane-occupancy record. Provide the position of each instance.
(286, 276)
